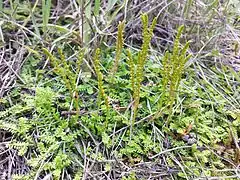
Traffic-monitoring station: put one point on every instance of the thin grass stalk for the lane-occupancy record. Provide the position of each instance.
(187, 7)
(46, 7)
(1, 5)
(96, 10)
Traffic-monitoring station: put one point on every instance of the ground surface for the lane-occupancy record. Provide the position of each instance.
(66, 113)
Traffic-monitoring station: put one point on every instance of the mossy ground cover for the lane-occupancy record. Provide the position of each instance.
(99, 108)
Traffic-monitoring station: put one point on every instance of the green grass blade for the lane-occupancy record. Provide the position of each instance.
(1, 5)
(46, 7)
(111, 3)
(96, 7)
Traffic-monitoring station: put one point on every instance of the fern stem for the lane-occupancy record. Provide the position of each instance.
(100, 82)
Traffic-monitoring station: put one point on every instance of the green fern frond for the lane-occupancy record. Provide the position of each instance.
(79, 61)
(132, 69)
(63, 69)
(53, 60)
(172, 70)
(142, 57)
(15, 110)
(9, 127)
(22, 147)
(119, 47)
(66, 73)
(100, 79)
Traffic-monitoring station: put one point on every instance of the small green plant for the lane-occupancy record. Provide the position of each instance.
(63, 69)
(100, 81)
(172, 70)
(131, 176)
(119, 47)
(52, 134)
(201, 139)
(136, 76)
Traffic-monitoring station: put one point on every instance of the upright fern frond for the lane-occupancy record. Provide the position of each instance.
(78, 67)
(65, 72)
(79, 61)
(142, 57)
(100, 80)
(53, 60)
(119, 47)
(63, 69)
(172, 70)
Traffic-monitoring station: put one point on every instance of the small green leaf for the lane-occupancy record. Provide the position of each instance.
(107, 167)
(90, 90)
(105, 139)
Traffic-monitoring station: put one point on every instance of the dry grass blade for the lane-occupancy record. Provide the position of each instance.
(10, 67)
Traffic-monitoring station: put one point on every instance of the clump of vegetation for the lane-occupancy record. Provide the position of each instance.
(119, 47)
(63, 69)
(100, 81)
(69, 108)
(172, 71)
(138, 75)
